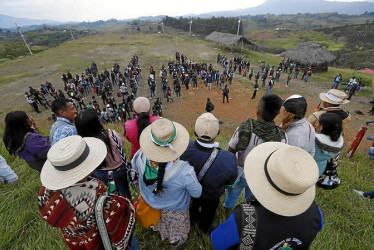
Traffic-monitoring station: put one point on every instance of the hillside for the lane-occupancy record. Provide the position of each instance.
(347, 217)
(358, 50)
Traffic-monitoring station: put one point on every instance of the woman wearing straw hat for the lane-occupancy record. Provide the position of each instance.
(134, 128)
(282, 213)
(165, 182)
(68, 196)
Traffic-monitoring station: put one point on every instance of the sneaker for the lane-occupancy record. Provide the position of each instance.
(360, 193)
(180, 243)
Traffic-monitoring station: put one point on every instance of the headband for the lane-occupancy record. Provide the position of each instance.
(334, 98)
(165, 143)
(75, 163)
(271, 181)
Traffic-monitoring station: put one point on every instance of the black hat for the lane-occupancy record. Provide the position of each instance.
(296, 104)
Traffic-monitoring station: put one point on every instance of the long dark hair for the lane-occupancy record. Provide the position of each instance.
(16, 127)
(142, 122)
(331, 125)
(88, 125)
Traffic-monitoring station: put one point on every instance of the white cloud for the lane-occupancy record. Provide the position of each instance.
(91, 10)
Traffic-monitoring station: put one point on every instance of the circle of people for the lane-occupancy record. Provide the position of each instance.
(180, 180)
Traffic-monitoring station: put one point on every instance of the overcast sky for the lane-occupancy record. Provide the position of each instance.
(93, 10)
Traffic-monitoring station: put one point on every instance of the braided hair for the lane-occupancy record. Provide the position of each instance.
(160, 178)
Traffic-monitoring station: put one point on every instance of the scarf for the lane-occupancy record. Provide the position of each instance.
(267, 131)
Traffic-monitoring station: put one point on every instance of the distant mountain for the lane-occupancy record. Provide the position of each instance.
(8, 22)
(296, 6)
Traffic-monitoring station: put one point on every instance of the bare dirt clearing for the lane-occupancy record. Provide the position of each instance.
(157, 50)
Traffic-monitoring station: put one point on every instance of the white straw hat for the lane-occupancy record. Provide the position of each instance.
(281, 177)
(334, 96)
(70, 160)
(164, 140)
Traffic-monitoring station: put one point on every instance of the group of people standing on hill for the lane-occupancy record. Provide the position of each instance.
(182, 180)
(87, 178)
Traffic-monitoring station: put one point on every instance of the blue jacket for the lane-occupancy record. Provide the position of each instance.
(223, 171)
(180, 183)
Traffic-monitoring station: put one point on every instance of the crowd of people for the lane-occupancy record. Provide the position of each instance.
(88, 183)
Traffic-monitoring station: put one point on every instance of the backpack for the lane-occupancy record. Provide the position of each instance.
(330, 179)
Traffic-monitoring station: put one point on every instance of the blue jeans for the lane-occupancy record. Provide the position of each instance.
(120, 178)
(232, 195)
(369, 194)
(134, 244)
(6, 172)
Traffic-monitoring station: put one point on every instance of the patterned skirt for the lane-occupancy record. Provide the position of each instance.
(173, 225)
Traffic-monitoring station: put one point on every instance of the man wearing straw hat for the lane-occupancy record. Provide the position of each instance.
(215, 168)
(282, 213)
(68, 196)
(331, 102)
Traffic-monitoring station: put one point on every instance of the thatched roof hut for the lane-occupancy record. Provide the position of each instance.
(310, 55)
(229, 40)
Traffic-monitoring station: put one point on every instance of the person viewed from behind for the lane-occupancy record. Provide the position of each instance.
(282, 213)
(133, 128)
(68, 196)
(331, 102)
(166, 182)
(63, 126)
(329, 140)
(209, 107)
(22, 140)
(88, 125)
(225, 94)
(214, 167)
(300, 132)
(250, 134)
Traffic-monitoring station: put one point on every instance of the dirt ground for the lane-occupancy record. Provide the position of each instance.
(186, 109)
(155, 50)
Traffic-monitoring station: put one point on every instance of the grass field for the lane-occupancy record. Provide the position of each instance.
(290, 39)
(349, 220)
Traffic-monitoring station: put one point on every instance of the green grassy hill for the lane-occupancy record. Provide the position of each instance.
(349, 220)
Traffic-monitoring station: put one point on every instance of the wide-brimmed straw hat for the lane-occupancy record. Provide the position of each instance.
(334, 96)
(281, 177)
(70, 160)
(164, 140)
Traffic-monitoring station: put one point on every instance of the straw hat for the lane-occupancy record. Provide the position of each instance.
(70, 160)
(334, 96)
(282, 184)
(141, 104)
(164, 140)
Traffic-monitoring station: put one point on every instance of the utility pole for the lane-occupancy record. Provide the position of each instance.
(189, 34)
(24, 39)
(162, 27)
(71, 33)
(237, 33)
